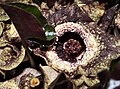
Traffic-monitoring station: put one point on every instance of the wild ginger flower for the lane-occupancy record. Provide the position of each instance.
(80, 48)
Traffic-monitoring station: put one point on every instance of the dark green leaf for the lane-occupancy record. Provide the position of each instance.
(49, 30)
(36, 42)
(26, 24)
(33, 10)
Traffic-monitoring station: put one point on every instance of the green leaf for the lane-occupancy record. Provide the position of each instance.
(49, 30)
(33, 10)
(26, 25)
